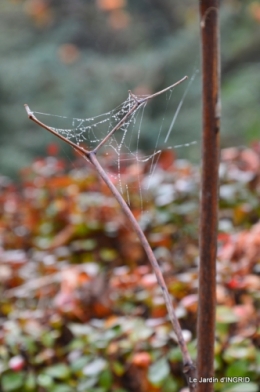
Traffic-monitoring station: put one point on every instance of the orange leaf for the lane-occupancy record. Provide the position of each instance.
(109, 5)
(59, 182)
(142, 359)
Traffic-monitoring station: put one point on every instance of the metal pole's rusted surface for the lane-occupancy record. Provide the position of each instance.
(209, 13)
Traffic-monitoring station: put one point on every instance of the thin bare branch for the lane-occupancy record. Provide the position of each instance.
(82, 150)
(133, 96)
(163, 91)
(138, 102)
(188, 366)
(121, 122)
(32, 117)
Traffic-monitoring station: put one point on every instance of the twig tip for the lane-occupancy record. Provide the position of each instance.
(28, 110)
(133, 96)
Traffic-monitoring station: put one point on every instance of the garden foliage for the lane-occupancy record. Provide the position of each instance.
(80, 307)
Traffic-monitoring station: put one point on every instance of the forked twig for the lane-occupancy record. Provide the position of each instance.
(188, 366)
(32, 117)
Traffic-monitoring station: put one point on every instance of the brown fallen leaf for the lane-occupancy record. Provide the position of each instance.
(63, 237)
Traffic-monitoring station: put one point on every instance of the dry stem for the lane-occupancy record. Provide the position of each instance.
(188, 366)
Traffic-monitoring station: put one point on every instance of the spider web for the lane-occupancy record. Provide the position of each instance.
(122, 150)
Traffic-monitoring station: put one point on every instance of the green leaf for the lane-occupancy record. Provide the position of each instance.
(61, 388)
(170, 385)
(158, 371)
(108, 254)
(30, 382)
(60, 371)
(192, 348)
(48, 339)
(77, 344)
(30, 344)
(97, 390)
(218, 363)
(226, 315)
(174, 355)
(106, 379)
(12, 381)
(243, 387)
(84, 385)
(140, 331)
(236, 352)
(95, 367)
(44, 380)
(80, 330)
(79, 363)
(118, 368)
(238, 367)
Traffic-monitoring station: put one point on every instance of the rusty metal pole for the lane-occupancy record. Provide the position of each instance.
(209, 15)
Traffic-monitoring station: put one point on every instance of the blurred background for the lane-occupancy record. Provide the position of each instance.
(79, 58)
(80, 309)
